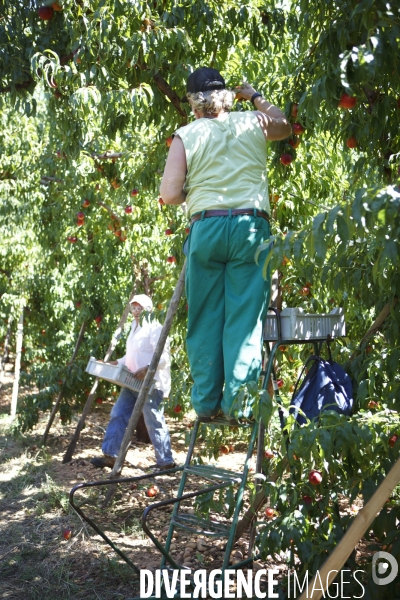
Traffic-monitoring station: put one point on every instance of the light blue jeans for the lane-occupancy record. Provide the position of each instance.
(153, 417)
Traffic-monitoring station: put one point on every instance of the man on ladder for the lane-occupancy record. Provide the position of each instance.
(217, 165)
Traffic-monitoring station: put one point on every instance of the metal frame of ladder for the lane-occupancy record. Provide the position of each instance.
(220, 478)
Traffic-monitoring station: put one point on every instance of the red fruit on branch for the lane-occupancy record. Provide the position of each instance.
(286, 159)
(269, 454)
(98, 319)
(280, 383)
(295, 109)
(134, 192)
(177, 408)
(294, 142)
(305, 291)
(168, 231)
(67, 534)
(99, 400)
(283, 348)
(72, 239)
(269, 513)
(161, 201)
(297, 129)
(171, 259)
(78, 304)
(352, 142)
(315, 477)
(85, 203)
(224, 449)
(307, 499)
(128, 209)
(56, 6)
(45, 13)
(347, 101)
(392, 440)
(373, 405)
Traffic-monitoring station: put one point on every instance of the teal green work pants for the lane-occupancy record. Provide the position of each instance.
(227, 303)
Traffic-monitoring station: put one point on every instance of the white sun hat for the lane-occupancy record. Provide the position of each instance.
(144, 301)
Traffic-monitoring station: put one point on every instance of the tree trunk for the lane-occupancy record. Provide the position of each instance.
(142, 435)
(172, 308)
(17, 368)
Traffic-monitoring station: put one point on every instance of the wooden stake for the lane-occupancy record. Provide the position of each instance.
(172, 308)
(357, 529)
(117, 334)
(17, 368)
(61, 392)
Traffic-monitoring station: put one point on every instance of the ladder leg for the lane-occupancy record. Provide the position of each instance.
(239, 501)
(181, 488)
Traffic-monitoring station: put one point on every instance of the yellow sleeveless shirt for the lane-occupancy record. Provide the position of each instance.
(226, 163)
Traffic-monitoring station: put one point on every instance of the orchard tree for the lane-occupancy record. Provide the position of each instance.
(90, 97)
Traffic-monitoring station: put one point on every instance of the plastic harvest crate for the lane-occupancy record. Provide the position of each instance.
(297, 325)
(117, 374)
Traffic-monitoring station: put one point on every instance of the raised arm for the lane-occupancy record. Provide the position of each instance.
(171, 188)
(272, 120)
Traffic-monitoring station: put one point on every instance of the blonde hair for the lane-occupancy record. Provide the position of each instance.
(212, 102)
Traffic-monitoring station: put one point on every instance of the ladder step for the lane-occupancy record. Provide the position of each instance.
(201, 526)
(222, 421)
(214, 473)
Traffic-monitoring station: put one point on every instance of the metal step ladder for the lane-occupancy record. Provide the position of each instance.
(218, 478)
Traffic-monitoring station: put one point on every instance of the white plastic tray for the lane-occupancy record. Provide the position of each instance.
(297, 325)
(117, 374)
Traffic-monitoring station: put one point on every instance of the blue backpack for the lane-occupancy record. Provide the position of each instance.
(325, 387)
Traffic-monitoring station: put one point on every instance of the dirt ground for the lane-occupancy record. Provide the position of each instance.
(37, 562)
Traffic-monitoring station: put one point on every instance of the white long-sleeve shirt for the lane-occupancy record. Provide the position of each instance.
(140, 347)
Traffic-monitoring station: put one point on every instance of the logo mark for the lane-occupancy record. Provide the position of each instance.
(387, 564)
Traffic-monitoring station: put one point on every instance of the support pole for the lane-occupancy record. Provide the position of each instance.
(357, 529)
(61, 392)
(17, 368)
(117, 334)
(3, 359)
(172, 308)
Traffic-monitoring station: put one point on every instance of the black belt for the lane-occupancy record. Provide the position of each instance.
(206, 214)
